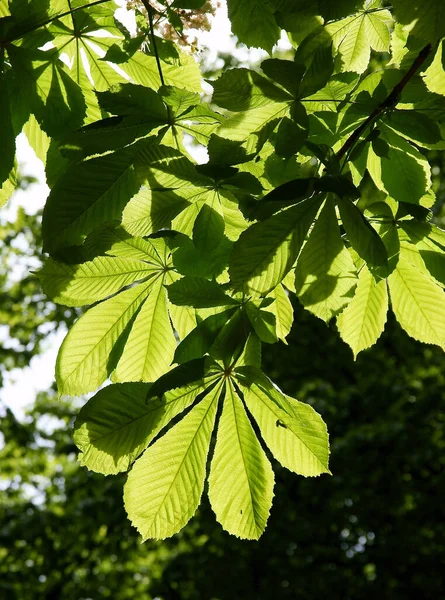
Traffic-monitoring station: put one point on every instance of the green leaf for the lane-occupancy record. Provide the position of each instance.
(200, 340)
(295, 434)
(414, 125)
(283, 311)
(405, 175)
(241, 479)
(84, 360)
(78, 285)
(4, 9)
(81, 201)
(290, 138)
(131, 99)
(417, 303)
(115, 426)
(182, 73)
(285, 72)
(253, 22)
(325, 276)
(255, 98)
(319, 72)
(267, 250)
(165, 485)
(115, 241)
(426, 18)
(8, 187)
(361, 235)
(45, 86)
(354, 36)
(151, 343)
(7, 146)
(263, 322)
(434, 76)
(363, 320)
(199, 293)
(430, 242)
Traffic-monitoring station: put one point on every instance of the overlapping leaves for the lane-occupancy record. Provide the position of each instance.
(317, 185)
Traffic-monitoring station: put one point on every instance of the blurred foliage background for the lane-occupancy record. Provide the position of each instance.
(376, 528)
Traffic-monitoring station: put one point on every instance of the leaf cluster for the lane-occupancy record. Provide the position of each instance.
(317, 185)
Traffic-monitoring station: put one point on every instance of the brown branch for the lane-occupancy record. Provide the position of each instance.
(390, 101)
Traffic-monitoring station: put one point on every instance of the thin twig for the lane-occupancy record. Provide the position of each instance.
(149, 10)
(389, 102)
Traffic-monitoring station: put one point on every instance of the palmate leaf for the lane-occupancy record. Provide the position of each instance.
(356, 35)
(175, 194)
(267, 250)
(294, 432)
(119, 422)
(165, 485)
(363, 320)
(325, 275)
(131, 337)
(43, 85)
(140, 111)
(241, 479)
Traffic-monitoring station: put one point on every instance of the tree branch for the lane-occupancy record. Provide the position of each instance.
(390, 101)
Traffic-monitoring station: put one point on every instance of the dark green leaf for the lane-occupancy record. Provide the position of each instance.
(199, 293)
(200, 340)
(361, 235)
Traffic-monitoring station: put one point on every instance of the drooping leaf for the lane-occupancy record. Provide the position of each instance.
(165, 485)
(361, 235)
(241, 478)
(325, 275)
(119, 422)
(417, 303)
(294, 432)
(363, 320)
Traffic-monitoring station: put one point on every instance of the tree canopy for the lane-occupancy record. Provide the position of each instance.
(317, 187)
